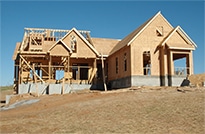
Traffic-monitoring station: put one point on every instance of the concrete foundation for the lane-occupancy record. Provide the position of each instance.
(176, 80)
(41, 88)
(147, 80)
(33, 88)
(120, 83)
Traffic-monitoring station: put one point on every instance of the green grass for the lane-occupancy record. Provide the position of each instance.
(4, 88)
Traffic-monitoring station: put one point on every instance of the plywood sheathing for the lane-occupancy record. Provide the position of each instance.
(103, 45)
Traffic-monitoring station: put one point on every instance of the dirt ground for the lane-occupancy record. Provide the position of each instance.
(150, 110)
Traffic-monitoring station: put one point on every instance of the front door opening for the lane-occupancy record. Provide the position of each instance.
(80, 71)
(83, 71)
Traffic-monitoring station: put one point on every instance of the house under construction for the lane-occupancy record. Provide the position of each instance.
(54, 61)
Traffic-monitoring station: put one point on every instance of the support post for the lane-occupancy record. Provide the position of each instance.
(170, 67)
(189, 63)
(35, 80)
(20, 71)
(103, 72)
(68, 66)
(95, 68)
(32, 69)
(78, 75)
(49, 69)
(162, 68)
(63, 86)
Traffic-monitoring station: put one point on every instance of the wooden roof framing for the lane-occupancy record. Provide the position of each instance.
(100, 45)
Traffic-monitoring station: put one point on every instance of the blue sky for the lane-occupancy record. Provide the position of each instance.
(110, 19)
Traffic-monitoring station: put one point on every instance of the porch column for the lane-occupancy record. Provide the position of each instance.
(95, 68)
(171, 64)
(68, 66)
(162, 67)
(170, 67)
(189, 63)
(103, 73)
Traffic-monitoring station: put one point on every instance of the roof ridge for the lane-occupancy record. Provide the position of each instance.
(104, 38)
(132, 36)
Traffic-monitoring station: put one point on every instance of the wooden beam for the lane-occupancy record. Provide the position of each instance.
(49, 68)
(35, 80)
(89, 39)
(94, 70)
(32, 69)
(63, 86)
(68, 66)
(34, 41)
(162, 66)
(44, 70)
(19, 72)
(103, 72)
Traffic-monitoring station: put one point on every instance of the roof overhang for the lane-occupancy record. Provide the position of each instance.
(181, 48)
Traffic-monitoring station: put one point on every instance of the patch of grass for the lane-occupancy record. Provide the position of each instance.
(4, 88)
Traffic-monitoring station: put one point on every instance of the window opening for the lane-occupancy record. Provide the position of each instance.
(83, 71)
(80, 71)
(116, 65)
(146, 63)
(36, 40)
(73, 43)
(159, 31)
(59, 74)
(125, 62)
(75, 71)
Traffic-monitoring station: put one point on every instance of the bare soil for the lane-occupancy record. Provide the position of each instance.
(150, 110)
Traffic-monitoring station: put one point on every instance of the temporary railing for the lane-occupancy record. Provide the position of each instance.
(147, 70)
(181, 70)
